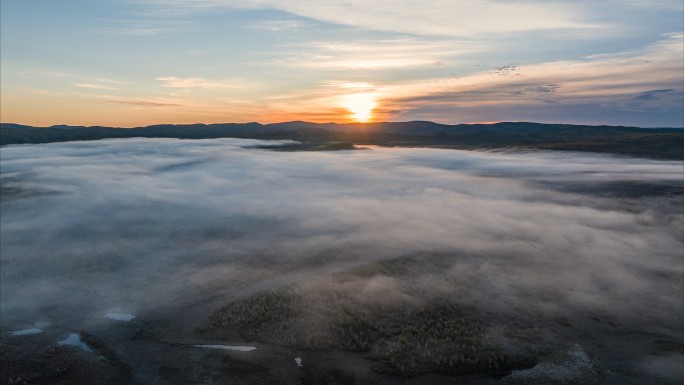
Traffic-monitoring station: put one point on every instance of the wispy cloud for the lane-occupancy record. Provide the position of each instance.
(105, 80)
(94, 86)
(280, 25)
(304, 57)
(156, 103)
(624, 81)
(183, 109)
(26, 91)
(195, 82)
(141, 27)
(395, 53)
(339, 84)
(663, 4)
(608, 80)
(430, 17)
(81, 80)
(537, 90)
(165, 12)
(651, 95)
(52, 74)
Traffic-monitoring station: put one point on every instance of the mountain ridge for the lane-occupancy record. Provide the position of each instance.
(657, 143)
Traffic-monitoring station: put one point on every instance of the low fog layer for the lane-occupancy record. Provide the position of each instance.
(139, 225)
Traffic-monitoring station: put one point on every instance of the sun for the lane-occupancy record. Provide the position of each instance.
(360, 105)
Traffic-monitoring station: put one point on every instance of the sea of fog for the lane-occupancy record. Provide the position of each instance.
(143, 226)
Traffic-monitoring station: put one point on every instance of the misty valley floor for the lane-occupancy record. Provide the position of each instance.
(166, 261)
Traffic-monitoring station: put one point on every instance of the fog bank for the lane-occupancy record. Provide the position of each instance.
(138, 224)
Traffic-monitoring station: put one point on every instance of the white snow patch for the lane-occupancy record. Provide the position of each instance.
(26, 332)
(119, 316)
(75, 340)
(227, 347)
(298, 360)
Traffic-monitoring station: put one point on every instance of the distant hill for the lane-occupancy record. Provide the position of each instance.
(657, 143)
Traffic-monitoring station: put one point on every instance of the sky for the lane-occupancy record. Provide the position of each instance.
(131, 63)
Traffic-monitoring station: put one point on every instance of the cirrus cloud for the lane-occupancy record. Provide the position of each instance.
(196, 82)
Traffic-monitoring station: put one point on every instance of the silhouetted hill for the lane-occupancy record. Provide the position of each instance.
(660, 143)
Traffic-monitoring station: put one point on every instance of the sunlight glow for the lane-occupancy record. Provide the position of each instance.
(360, 105)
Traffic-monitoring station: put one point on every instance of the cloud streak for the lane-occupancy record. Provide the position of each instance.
(651, 95)
(143, 27)
(391, 54)
(435, 17)
(627, 86)
(93, 86)
(142, 102)
(196, 82)
(613, 81)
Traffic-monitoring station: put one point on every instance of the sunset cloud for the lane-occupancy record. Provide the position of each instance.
(264, 60)
(376, 54)
(143, 103)
(623, 81)
(434, 17)
(94, 86)
(613, 81)
(542, 251)
(192, 82)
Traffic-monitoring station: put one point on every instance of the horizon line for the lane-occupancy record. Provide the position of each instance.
(488, 123)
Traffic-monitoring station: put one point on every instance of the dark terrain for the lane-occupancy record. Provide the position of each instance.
(660, 143)
(234, 261)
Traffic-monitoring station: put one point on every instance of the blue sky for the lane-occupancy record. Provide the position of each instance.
(130, 63)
